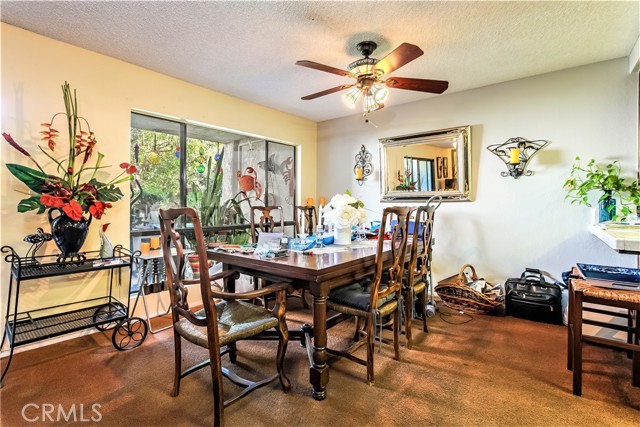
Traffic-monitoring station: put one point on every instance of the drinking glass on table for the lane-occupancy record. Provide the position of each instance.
(319, 236)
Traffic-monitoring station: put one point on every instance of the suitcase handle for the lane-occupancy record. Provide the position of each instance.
(534, 272)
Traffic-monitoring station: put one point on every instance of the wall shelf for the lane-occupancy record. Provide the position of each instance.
(621, 237)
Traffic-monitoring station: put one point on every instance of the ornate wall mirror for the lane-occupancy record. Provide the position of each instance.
(418, 166)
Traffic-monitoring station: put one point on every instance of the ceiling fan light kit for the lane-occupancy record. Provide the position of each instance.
(368, 74)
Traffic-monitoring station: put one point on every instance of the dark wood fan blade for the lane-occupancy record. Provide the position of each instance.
(322, 67)
(422, 85)
(326, 92)
(402, 55)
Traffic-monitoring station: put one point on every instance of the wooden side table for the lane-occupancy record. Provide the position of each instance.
(580, 291)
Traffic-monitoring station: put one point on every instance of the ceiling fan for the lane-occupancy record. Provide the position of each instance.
(368, 74)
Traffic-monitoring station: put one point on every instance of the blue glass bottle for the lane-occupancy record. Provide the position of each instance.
(607, 207)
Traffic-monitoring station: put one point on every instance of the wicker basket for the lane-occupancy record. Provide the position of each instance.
(454, 293)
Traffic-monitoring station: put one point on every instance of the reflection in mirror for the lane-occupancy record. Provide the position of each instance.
(418, 166)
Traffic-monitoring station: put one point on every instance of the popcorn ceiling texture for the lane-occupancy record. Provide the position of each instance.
(248, 49)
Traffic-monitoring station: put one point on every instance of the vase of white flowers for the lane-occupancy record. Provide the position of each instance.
(343, 212)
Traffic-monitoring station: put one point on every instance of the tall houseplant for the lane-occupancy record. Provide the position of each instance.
(607, 181)
(73, 189)
(208, 196)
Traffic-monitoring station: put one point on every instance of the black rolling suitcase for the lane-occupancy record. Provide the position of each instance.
(531, 297)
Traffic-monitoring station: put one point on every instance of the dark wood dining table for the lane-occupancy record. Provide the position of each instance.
(318, 274)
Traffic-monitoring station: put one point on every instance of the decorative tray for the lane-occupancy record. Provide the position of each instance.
(611, 277)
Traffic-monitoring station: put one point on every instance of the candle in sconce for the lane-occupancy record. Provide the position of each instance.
(514, 156)
(358, 173)
(322, 201)
(310, 201)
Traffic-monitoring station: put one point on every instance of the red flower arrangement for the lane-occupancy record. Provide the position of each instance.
(70, 190)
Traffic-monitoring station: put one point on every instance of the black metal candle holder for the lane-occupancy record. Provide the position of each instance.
(363, 167)
(517, 161)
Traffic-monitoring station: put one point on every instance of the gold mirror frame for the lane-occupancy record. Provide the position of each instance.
(418, 166)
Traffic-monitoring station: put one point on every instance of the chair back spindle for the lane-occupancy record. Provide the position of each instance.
(398, 251)
(175, 272)
(310, 219)
(417, 279)
(265, 222)
(420, 252)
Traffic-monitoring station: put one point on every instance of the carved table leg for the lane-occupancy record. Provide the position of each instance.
(319, 371)
(229, 282)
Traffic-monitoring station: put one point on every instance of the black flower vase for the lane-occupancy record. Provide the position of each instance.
(607, 207)
(69, 235)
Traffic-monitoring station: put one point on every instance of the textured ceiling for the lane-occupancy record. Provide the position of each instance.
(249, 49)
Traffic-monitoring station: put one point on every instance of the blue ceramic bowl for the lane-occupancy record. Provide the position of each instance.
(328, 239)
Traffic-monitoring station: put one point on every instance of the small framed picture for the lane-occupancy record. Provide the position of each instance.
(445, 168)
(439, 167)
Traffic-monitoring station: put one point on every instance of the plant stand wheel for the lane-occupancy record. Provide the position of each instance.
(129, 333)
(108, 311)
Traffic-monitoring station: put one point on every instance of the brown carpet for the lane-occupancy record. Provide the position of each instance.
(490, 371)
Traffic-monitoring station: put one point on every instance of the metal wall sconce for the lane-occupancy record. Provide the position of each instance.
(516, 153)
(363, 167)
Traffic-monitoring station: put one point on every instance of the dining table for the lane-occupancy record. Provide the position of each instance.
(317, 271)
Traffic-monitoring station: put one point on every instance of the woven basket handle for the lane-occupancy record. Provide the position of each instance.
(461, 278)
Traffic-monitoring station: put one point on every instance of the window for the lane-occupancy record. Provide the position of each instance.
(420, 173)
(219, 173)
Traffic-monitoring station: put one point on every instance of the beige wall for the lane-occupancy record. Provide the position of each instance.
(33, 69)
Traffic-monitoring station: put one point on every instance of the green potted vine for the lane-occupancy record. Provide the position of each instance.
(611, 186)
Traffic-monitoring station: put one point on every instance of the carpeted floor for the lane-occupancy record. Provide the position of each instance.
(492, 370)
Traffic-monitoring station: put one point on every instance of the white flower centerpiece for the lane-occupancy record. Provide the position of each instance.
(343, 212)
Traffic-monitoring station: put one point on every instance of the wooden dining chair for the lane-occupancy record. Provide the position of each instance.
(262, 220)
(310, 219)
(377, 297)
(265, 222)
(417, 275)
(224, 319)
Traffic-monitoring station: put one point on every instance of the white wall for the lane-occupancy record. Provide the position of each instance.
(590, 111)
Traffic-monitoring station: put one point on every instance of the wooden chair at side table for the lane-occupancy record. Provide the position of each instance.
(580, 291)
(374, 299)
(221, 323)
(417, 276)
